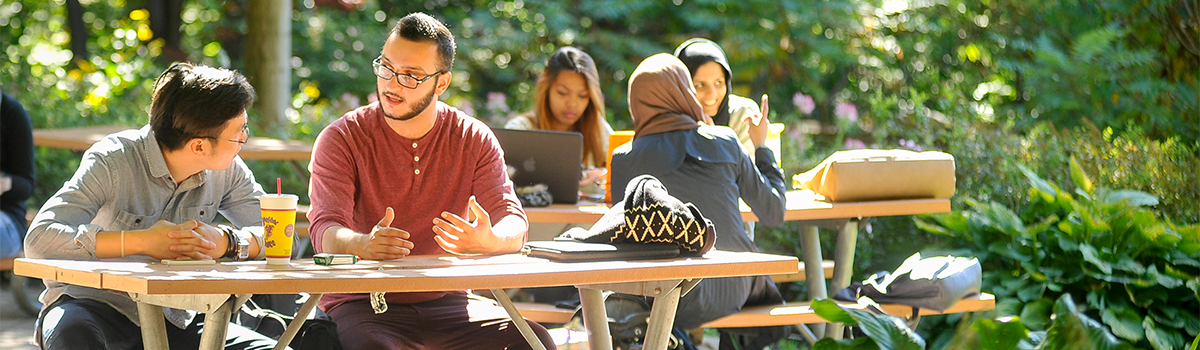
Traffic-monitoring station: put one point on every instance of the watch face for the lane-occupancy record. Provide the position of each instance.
(243, 248)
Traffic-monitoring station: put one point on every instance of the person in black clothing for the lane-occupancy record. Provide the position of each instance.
(16, 174)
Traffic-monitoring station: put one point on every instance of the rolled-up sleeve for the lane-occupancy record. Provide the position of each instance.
(62, 229)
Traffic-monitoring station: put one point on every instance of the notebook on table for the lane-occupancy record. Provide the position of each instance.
(581, 251)
(545, 157)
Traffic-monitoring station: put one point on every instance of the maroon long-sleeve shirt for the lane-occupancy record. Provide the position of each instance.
(360, 167)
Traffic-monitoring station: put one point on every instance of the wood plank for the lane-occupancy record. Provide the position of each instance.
(544, 313)
(826, 267)
(801, 205)
(547, 313)
(405, 275)
(257, 148)
(802, 313)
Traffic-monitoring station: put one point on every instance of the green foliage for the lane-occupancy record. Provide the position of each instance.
(1137, 272)
(1070, 329)
(882, 331)
(986, 157)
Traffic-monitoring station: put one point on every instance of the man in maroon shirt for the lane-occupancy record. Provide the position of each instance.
(409, 175)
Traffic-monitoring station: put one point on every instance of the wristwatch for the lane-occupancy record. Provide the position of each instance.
(242, 251)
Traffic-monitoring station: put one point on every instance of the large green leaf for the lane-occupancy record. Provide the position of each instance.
(889, 332)
(1127, 264)
(1162, 338)
(996, 335)
(938, 228)
(1040, 185)
(1081, 179)
(1189, 238)
(1036, 314)
(1167, 316)
(998, 217)
(1131, 197)
(1093, 257)
(1031, 292)
(1162, 279)
(863, 343)
(1124, 322)
(1191, 321)
(954, 223)
(830, 311)
(1072, 329)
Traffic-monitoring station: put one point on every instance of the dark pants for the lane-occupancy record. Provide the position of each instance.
(714, 298)
(456, 321)
(88, 324)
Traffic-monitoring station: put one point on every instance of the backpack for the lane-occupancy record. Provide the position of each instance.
(316, 333)
(934, 283)
(628, 318)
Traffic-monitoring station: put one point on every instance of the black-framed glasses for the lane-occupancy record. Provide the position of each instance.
(245, 136)
(405, 80)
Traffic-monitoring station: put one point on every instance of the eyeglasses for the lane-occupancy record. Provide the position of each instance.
(244, 136)
(405, 80)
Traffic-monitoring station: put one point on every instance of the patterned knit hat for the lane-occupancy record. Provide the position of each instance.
(650, 215)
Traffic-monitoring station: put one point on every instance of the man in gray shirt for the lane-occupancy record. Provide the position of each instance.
(154, 192)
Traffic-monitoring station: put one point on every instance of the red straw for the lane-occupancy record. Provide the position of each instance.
(278, 186)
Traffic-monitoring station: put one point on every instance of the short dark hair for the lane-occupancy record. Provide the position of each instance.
(421, 27)
(192, 101)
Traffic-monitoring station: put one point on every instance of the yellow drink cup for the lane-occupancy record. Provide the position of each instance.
(279, 226)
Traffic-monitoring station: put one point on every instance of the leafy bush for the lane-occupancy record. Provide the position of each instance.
(987, 155)
(1140, 274)
(1071, 329)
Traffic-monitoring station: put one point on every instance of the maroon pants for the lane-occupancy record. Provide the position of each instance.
(456, 321)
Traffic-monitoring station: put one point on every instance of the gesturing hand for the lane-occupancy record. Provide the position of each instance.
(386, 243)
(463, 237)
(759, 125)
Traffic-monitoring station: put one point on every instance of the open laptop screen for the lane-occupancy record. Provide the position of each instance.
(545, 157)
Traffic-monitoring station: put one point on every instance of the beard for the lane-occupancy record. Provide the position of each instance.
(418, 107)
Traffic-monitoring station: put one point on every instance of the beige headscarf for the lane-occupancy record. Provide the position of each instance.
(661, 97)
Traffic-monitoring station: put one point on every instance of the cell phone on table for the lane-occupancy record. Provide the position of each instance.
(335, 259)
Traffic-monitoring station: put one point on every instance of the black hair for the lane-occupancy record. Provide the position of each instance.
(192, 101)
(421, 27)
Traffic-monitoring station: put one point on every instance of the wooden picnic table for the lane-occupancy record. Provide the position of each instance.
(208, 288)
(257, 148)
(811, 211)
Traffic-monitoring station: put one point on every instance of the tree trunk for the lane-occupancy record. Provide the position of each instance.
(165, 21)
(79, 33)
(268, 52)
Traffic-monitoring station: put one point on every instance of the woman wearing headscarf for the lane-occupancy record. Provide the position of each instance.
(711, 77)
(705, 165)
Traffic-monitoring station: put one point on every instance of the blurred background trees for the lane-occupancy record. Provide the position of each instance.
(1113, 83)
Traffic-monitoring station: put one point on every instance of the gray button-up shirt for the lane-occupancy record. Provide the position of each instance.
(123, 184)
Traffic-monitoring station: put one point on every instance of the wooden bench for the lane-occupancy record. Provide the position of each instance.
(547, 313)
(801, 313)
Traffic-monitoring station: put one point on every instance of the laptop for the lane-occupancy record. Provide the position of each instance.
(545, 157)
